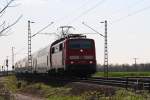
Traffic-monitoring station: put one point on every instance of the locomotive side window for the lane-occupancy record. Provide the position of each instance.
(77, 44)
(56, 49)
(60, 47)
(52, 50)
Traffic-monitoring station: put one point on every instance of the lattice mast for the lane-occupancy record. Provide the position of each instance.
(105, 51)
(29, 46)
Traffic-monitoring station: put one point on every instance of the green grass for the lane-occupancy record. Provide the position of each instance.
(130, 95)
(11, 83)
(121, 94)
(65, 98)
(2, 98)
(45, 90)
(123, 74)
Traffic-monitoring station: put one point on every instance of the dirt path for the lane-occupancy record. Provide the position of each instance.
(26, 97)
(8, 95)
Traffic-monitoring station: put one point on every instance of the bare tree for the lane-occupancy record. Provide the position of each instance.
(5, 27)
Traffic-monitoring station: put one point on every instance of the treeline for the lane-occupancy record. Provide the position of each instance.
(126, 67)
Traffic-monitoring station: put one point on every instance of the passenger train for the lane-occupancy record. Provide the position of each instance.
(72, 54)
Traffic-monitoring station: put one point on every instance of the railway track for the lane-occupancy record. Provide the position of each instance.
(137, 83)
(6, 73)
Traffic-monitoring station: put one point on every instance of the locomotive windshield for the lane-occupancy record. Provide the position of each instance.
(80, 44)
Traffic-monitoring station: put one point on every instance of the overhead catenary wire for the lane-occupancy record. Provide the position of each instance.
(117, 20)
(87, 11)
(74, 11)
(132, 5)
(130, 14)
(113, 21)
(92, 29)
(18, 52)
(135, 4)
(96, 5)
(42, 29)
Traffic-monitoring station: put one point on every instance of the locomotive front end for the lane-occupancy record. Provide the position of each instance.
(81, 56)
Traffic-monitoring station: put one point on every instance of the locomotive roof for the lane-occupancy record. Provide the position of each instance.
(57, 41)
(62, 39)
(69, 37)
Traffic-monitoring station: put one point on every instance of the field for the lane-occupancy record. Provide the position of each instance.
(72, 91)
(123, 74)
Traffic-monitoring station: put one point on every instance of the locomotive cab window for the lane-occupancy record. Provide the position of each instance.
(80, 44)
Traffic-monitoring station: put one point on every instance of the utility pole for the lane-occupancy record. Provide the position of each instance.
(105, 46)
(29, 45)
(7, 64)
(4, 66)
(3, 69)
(29, 42)
(135, 63)
(105, 51)
(12, 58)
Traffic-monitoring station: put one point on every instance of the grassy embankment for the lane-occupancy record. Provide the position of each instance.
(7, 84)
(64, 92)
(123, 74)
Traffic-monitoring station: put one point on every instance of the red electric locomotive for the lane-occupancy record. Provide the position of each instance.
(74, 54)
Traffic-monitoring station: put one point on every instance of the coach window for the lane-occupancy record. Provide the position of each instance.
(60, 47)
(47, 60)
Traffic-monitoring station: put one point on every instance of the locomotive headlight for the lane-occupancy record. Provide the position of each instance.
(91, 62)
(71, 62)
(74, 57)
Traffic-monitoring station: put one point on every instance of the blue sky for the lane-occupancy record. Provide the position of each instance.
(128, 26)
